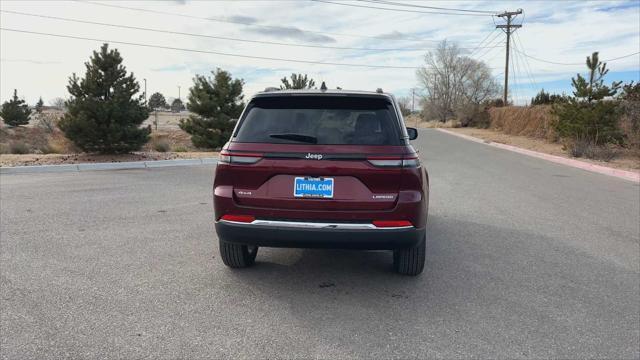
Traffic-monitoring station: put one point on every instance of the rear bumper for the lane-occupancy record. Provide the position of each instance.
(309, 235)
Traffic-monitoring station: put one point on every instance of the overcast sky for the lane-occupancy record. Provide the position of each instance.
(555, 31)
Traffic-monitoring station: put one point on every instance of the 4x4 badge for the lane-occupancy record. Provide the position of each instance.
(313, 156)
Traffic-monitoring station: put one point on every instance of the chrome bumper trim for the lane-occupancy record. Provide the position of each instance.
(316, 225)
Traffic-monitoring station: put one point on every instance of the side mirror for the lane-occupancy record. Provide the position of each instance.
(413, 133)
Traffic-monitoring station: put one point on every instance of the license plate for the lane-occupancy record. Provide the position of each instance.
(313, 187)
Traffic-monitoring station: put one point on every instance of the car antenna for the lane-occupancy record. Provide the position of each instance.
(323, 87)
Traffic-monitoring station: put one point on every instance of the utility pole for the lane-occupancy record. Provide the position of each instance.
(145, 90)
(508, 30)
(179, 92)
(413, 99)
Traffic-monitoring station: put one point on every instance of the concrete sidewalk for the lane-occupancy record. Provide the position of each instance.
(106, 166)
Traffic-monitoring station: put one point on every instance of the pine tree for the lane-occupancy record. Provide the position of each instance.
(39, 106)
(593, 88)
(15, 112)
(544, 98)
(217, 102)
(177, 105)
(587, 117)
(298, 81)
(157, 101)
(104, 114)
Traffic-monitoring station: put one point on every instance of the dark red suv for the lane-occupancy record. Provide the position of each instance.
(321, 169)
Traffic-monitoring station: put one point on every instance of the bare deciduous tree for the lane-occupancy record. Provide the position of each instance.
(58, 103)
(452, 80)
(405, 105)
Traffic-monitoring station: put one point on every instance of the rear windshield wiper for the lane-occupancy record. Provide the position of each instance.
(296, 137)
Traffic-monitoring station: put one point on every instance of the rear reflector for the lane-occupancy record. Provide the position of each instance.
(238, 218)
(391, 223)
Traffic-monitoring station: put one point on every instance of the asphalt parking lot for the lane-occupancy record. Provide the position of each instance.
(525, 259)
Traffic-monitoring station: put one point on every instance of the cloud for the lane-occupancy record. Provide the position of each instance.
(616, 7)
(564, 34)
(294, 33)
(394, 35)
(242, 19)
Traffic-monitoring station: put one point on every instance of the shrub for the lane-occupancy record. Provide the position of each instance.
(161, 145)
(473, 115)
(180, 149)
(494, 103)
(630, 120)
(48, 122)
(18, 147)
(53, 147)
(596, 122)
(586, 149)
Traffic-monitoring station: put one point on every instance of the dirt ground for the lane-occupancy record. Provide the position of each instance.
(625, 161)
(166, 120)
(48, 146)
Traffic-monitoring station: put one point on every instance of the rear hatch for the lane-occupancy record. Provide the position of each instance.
(317, 152)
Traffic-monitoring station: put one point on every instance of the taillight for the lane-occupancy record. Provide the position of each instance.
(238, 218)
(394, 161)
(391, 223)
(229, 157)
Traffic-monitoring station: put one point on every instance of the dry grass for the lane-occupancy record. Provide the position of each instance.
(438, 124)
(36, 140)
(535, 121)
(625, 160)
(166, 120)
(50, 147)
(415, 120)
(174, 138)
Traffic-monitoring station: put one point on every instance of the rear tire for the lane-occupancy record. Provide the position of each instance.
(237, 255)
(410, 261)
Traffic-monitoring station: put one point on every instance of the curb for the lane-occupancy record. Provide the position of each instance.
(105, 166)
(622, 174)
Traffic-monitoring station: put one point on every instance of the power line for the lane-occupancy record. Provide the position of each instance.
(210, 52)
(495, 55)
(222, 20)
(582, 63)
(514, 89)
(482, 42)
(400, 10)
(215, 36)
(428, 7)
(493, 44)
(485, 53)
(525, 60)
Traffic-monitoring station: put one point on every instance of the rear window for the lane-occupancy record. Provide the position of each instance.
(322, 120)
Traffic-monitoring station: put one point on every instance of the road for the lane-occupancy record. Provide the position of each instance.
(525, 259)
